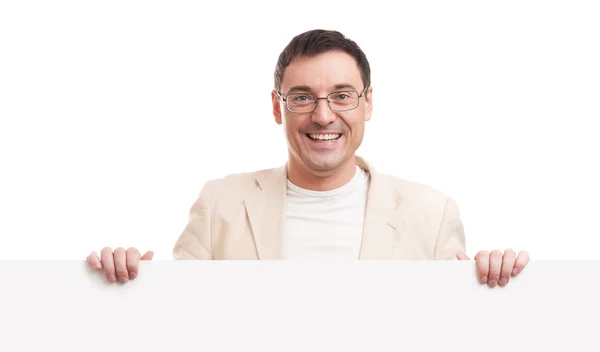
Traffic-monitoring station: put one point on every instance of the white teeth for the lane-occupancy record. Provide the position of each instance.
(324, 137)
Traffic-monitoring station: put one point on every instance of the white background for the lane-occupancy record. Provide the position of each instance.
(115, 113)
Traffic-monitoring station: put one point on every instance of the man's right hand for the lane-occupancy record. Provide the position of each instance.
(121, 265)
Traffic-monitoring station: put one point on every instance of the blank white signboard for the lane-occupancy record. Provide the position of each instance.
(298, 306)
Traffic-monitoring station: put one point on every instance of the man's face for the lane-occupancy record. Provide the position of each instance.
(322, 140)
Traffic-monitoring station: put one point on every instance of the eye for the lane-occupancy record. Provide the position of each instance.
(341, 96)
(302, 98)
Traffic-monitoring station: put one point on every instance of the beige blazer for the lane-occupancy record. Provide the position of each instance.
(242, 216)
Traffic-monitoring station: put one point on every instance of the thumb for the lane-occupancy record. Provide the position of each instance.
(462, 256)
(148, 255)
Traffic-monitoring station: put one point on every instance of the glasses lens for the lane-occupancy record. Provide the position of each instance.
(301, 102)
(341, 101)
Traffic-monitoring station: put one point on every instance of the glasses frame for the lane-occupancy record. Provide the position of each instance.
(323, 98)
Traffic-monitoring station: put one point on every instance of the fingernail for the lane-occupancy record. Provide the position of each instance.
(484, 279)
(493, 283)
(96, 265)
(132, 275)
(515, 271)
(112, 277)
(123, 279)
(503, 281)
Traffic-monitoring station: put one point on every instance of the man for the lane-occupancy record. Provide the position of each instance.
(325, 202)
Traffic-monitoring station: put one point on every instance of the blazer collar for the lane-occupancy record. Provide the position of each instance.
(266, 213)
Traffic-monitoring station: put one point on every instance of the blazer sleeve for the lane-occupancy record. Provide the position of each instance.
(451, 235)
(195, 240)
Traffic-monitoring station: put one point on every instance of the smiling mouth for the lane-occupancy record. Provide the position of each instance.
(324, 137)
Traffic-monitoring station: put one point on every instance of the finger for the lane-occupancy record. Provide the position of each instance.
(121, 264)
(508, 263)
(133, 258)
(521, 263)
(483, 265)
(94, 261)
(148, 256)
(109, 264)
(495, 267)
(462, 256)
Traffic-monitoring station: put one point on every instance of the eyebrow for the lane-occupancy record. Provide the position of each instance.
(299, 89)
(336, 87)
(344, 86)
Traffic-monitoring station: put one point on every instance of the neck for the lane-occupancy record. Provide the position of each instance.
(302, 177)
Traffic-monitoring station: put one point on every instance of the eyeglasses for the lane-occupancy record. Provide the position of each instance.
(337, 101)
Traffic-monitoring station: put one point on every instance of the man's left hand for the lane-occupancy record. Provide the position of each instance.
(496, 268)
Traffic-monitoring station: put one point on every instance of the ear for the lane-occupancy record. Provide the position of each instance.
(276, 107)
(368, 103)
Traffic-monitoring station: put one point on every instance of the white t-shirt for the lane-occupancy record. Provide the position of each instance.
(328, 224)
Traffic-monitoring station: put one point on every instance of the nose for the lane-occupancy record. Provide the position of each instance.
(323, 114)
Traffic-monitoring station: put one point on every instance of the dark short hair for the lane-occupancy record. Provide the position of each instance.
(319, 41)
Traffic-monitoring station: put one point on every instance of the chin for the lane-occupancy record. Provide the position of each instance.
(324, 163)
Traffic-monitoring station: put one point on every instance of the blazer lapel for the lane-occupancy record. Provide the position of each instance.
(382, 227)
(266, 210)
